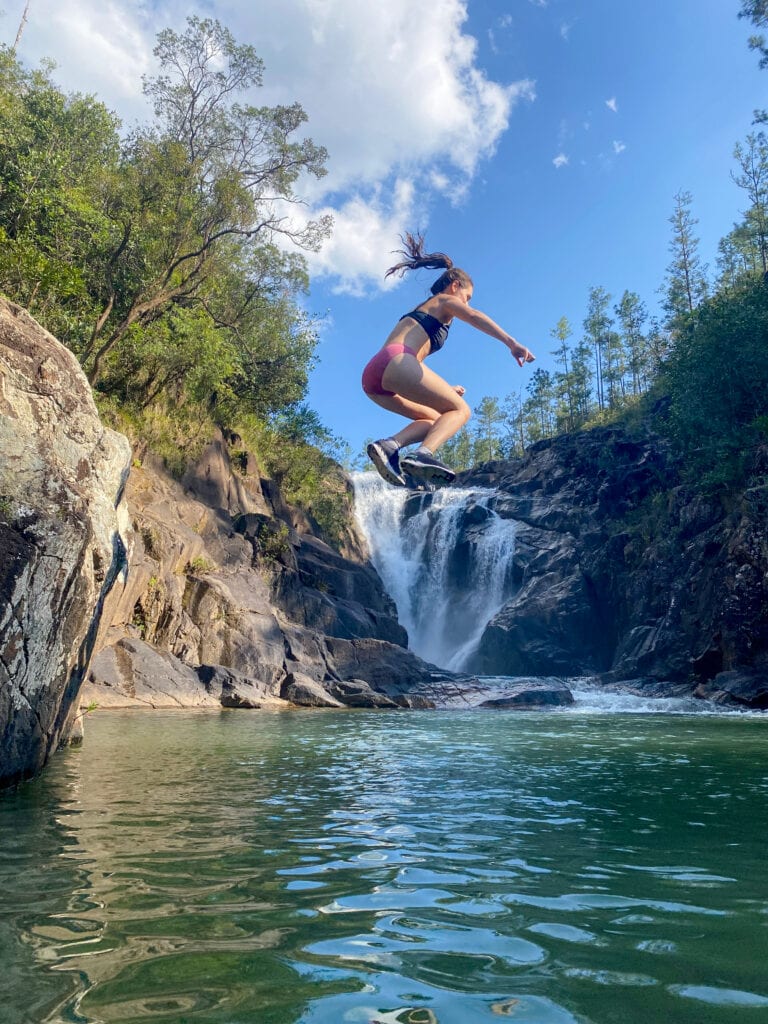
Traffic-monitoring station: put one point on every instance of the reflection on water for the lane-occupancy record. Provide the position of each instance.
(399, 868)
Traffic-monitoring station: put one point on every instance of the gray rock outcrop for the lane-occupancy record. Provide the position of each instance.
(62, 475)
(622, 571)
(226, 582)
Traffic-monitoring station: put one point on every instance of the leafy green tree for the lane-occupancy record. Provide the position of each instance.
(211, 177)
(686, 284)
(720, 419)
(58, 157)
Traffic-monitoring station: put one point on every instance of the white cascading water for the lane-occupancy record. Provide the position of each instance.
(412, 549)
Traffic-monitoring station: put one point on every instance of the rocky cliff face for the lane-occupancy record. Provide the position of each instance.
(622, 571)
(222, 587)
(61, 481)
(204, 592)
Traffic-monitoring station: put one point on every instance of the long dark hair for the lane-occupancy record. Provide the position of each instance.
(415, 257)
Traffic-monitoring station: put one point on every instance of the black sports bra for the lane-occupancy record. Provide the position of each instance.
(437, 331)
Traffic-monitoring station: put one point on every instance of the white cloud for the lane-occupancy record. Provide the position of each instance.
(561, 160)
(367, 232)
(385, 115)
(100, 48)
(618, 147)
(612, 104)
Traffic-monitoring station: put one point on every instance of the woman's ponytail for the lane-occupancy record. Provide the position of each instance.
(415, 257)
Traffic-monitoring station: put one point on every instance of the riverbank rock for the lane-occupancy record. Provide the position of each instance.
(530, 694)
(622, 571)
(223, 585)
(62, 475)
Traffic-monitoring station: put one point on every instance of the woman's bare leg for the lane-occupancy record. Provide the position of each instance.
(414, 433)
(419, 390)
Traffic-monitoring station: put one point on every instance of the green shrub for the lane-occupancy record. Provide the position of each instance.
(717, 380)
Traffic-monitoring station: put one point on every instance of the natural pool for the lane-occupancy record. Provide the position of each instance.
(412, 867)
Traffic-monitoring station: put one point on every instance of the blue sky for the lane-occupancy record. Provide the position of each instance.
(539, 142)
(536, 237)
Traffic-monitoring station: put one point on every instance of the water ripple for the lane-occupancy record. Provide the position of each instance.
(404, 869)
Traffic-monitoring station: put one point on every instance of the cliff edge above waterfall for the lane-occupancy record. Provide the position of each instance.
(623, 570)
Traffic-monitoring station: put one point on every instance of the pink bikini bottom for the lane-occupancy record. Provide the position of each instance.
(374, 371)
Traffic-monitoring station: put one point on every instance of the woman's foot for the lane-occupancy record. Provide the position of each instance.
(424, 466)
(384, 455)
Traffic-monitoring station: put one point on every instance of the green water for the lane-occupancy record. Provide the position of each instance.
(450, 867)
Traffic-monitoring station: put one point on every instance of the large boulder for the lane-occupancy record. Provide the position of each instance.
(62, 475)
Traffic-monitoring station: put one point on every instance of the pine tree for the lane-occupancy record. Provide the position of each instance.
(539, 406)
(632, 315)
(753, 178)
(686, 283)
(615, 370)
(738, 256)
(757, 12)
(563, 380)
(598, 324)
(488, 420)
(514, 437)
(581, 372)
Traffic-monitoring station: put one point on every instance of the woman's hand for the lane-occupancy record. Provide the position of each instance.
(459, 389)
(521, 353)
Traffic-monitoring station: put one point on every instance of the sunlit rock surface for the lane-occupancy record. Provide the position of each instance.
(61, 479)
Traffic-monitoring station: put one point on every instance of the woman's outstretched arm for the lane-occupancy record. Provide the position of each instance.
(456, 308)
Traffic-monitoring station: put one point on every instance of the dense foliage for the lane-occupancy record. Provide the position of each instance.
(159, 256)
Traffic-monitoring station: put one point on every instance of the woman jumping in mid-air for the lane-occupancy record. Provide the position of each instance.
(397, 379)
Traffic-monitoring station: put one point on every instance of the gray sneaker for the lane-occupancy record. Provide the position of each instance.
(388, 466)
(427, 467)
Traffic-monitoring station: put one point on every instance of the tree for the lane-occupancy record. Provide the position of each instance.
(22, 23)
(458, 451)
(563, 380)
(720, 420)
(581, 372)
(539, 406)
(58, 155)
(597, 324)
(487, 422)
(686, 283)
(211, 177)
(753, 163)
(738, 256)
(513, 439)
(757, 12)
(632, 315)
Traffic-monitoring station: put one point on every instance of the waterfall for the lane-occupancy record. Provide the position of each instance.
(445, 559)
